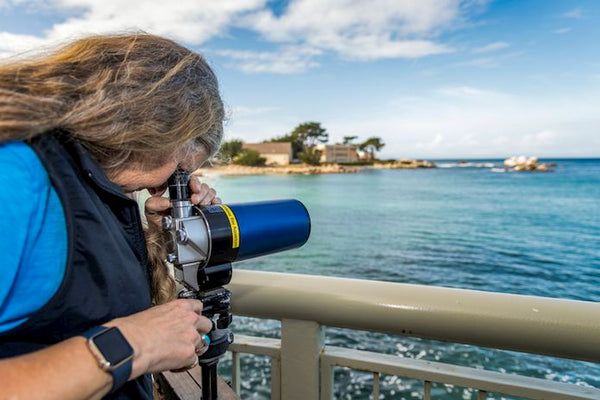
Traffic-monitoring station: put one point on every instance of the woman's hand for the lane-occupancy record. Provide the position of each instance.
(165, 337)
(156, 207)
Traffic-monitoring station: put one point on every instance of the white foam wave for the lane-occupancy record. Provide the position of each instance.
(467, 165)
(447, 165)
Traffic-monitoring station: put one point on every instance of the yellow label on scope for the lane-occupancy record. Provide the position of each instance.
(235, 229)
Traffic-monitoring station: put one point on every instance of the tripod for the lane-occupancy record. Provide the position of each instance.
(217, 303)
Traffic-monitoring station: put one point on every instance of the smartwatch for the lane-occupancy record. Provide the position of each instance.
(113, 352)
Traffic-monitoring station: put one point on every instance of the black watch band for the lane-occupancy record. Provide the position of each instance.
(114, 353)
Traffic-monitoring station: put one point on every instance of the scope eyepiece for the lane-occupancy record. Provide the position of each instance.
(179, 185)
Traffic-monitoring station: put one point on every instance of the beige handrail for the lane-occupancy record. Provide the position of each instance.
(556, 327)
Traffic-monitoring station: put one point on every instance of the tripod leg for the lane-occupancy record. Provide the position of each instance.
(209, 381)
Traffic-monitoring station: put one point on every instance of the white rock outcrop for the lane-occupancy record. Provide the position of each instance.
(523, 163)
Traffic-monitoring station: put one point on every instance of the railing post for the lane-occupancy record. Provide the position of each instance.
(301, 345)
(375, 385)
(235, 372)
(427, 390)
(326, 380)
(275, 379)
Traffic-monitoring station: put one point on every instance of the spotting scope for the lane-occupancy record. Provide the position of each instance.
(205, 240)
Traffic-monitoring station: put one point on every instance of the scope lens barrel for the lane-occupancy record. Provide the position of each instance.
(271, 226)
(247, 230)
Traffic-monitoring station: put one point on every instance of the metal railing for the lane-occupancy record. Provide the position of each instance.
(305, 304)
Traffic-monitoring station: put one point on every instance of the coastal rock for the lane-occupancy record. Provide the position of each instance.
(405, 163)
(526, 164)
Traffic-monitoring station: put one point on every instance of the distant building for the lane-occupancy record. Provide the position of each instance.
(275, 153)
(337, 153)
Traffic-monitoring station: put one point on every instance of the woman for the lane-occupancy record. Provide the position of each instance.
(80, 128)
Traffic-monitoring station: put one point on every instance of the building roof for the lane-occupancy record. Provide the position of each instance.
(270, 148)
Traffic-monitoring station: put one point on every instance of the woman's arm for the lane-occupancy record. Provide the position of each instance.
(164, 337)
(67, 370)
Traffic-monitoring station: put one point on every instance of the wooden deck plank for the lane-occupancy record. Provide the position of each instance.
(187, 385)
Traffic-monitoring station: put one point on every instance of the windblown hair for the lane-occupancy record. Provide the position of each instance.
(133, 101)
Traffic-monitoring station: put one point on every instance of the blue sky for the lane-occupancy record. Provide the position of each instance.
(432, 78)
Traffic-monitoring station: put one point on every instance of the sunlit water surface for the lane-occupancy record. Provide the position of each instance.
(473, 228)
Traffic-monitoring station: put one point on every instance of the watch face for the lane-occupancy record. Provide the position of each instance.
(113, 346)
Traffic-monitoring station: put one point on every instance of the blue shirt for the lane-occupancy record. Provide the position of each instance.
(33, 244)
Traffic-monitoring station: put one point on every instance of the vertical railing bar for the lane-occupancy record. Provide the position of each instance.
(235, 372)
(426, 390)
(326, 386)
(328, 360)
(375, 385)
(275, 379)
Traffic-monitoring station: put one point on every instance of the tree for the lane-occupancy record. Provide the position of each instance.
(304, 136)
(310, 156)
(230, 149)
(372, 145)
(349, 139)
(250, 158)
(311, 133)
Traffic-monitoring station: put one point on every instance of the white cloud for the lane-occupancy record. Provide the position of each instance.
(455, 122)
(574, 13)
(245, 111)
(482, 123)
(543, 138)
(489, 61)
(362, 30)
(257, 128)
(491, 47)
(478, 62)
(500, 141)
(190, 21)
(291, 59)
(432, 144)
(373, 47)
(14, 44)
(469, 92)
(562, 31)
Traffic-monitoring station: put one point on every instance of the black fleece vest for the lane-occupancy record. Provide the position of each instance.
(106, 274)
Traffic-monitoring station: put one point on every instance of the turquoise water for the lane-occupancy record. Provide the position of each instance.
(474, 228)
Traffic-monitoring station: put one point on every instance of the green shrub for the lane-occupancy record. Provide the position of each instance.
(229, 150)
(250, 158)
(310, 157)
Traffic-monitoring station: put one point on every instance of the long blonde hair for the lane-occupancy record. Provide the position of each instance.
(130, 100)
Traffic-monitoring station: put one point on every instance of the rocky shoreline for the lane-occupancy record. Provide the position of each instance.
(513, 164)
(300, 169)
(405, 163)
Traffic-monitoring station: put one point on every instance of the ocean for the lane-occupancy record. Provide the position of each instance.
(473, 227)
